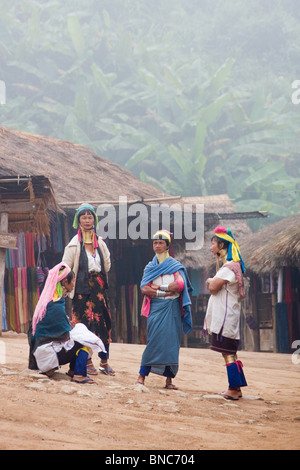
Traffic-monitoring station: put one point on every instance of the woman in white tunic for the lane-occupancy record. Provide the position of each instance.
(54, 342)
(222, 319)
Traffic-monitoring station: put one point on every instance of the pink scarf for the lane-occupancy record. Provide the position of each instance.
(48, 292)
(236, 268)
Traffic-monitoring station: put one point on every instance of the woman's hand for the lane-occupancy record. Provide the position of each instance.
(150, 291)
(214, 285)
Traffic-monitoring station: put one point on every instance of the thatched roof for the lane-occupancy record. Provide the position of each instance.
(220, 206)
(274, 246)
(76, 172)
(27, 200)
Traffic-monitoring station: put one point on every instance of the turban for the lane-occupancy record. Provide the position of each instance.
(233, 253)
(163, 235)
(84, 208)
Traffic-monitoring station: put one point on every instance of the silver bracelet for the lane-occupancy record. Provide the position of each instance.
(164, 287)
(160, 293)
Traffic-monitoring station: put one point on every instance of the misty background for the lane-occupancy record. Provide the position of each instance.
(192, 96)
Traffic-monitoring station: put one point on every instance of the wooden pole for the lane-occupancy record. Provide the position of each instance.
(3, 228)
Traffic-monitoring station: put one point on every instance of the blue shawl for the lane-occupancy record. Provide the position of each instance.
(171, 266)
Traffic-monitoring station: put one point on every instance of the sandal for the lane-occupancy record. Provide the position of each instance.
(228, 397)
(104, 369)
(170, 386)
(83, 380)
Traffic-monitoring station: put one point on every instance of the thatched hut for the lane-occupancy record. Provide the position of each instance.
(28, 200)
(24, 205)
(51, 174)
(77, 174)
(273, 247)
(272, 259)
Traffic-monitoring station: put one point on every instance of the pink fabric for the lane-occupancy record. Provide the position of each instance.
(17, 313)
(145, 310)
(236, 268)
(238, 363)
(146, 306)
(180, 284)
(48, 292)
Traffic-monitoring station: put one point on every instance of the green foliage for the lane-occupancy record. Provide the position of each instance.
(192, 96)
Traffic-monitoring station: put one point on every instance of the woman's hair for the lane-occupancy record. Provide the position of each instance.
(219, 241)
(84, 212)
(69, 278)
(163, 239)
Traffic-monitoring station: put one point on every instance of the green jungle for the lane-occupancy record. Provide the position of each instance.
(194, 97)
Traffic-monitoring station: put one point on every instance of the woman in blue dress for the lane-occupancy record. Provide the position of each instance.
(166, 288)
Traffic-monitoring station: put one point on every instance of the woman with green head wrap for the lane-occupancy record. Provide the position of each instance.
(89, 257)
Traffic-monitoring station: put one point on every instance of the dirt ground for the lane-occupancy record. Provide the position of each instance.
(37, 413)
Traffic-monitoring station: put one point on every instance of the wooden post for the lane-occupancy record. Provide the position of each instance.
(3, 228)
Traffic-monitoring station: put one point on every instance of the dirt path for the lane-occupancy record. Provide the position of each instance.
(38, 413)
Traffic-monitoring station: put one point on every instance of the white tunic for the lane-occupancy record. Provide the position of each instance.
(224, 308)
(46, 354)
(94, 262)
(166, 279)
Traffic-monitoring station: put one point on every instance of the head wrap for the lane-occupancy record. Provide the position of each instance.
(83, 208)
(163, 235)
(52, 291)
(233, 253)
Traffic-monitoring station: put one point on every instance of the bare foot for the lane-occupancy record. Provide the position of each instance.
(140, 380)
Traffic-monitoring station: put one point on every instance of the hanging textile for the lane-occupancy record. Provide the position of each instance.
(4, 323)
(282, 328)
(16, 290)
(32, 290)
(25, 325)
(8, 260)
(10, 299)
(29, 248)
(20, 284)
(22, 251)
(14, 255)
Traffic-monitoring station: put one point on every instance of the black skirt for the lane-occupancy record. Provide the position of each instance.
(93, 309)
(224, 345)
